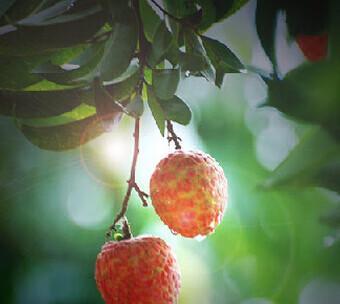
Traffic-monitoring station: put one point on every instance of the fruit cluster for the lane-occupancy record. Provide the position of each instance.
(189, 193)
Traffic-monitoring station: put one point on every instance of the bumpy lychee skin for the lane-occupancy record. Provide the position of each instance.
(137, 271)
(314, 47)
(189, 193)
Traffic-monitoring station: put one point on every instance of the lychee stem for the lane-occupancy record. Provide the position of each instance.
(131, 185)
(172, 135)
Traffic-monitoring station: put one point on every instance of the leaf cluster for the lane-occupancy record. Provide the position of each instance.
(71, 68)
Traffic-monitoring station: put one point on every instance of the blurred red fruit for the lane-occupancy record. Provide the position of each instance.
(314, 47)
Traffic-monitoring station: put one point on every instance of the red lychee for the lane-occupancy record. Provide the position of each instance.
(189, 193)
(141, 270)
(314, 47)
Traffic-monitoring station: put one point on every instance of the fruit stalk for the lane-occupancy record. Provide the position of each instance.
(172, 135)
(131, 183)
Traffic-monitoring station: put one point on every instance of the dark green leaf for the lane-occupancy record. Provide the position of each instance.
(176, 109)
(151, 20)
(41, 104)
(222, 58)
(173, 53)
(135, 107)
(63, 18)
(63, 56)
(86, 72)
(310, 93)
(332, 219)
(328, 176)
(307, 19)
(19, 10)
(208, 14)
(225, 8)
(180, 9)
(163, 40)
(165, 82)
(48, 13)
(80, 112)
(156, 110)
(124, 89)
(15, 71)
(5, 5)
(105, 106)
(194, 46)
(120, 48)
(266, 19)
(315, 150)
(192, 62)
(31, 39)
(64, 137)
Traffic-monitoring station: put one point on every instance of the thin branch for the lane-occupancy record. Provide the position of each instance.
(166, 12)
(131, 184)
(172, 135)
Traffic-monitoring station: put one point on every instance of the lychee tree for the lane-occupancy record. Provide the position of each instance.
(71, 69)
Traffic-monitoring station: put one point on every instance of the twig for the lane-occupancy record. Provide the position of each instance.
(131, 185)
(166, 12)
(172, 135)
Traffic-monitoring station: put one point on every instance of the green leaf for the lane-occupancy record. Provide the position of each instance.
(63, 18)
(86, 72)
(165, 82)
(150, 19)
(163, 40)
(120, 48)
(225, 8)
(332, 218)
(80, 112)
(328, 176)
(45, 11)
(310, 93)
(45, 85)
(105, 106)
(5, 5)
(41, 103)
(135, 107)
(266, 19)
(173, 53)
(124, 89)
(194, 46)
(180, 9)
(63, 56)
(192, 62)
(19, 10)
(15, 71)
(315, 150)
(208, 14)
(235, 6)
(222, 58)
(38, 39)
(67, 136)
(156, 110)
(176, 109)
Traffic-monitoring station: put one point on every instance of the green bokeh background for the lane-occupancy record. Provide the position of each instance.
(270, 248)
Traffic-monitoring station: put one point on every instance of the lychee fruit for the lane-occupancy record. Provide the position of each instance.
(189, 193)
(140, 270)
(314, 47)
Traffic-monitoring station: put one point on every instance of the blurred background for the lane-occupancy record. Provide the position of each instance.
(270, 248)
